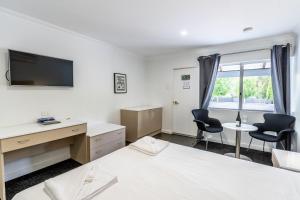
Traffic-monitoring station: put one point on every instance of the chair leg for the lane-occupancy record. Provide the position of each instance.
(250, 143)
(282, 145)
(199, 135)
(198, 138)
(206, 145)
(264, 146)
(221, 138)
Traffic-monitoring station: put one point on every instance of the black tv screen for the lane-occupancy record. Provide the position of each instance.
(32, 69)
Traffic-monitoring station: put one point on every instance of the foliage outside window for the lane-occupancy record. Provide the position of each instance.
(256, 87)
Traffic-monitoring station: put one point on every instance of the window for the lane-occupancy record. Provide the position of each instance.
(244, 86)
(227, 88)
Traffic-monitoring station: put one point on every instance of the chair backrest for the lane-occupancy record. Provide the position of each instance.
(200, 114)
(278, 122)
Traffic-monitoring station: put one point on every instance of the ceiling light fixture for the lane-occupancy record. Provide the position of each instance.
(184, 33)
(248, 29)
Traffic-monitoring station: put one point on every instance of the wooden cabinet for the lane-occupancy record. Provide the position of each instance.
(104, 139)
(141, 121)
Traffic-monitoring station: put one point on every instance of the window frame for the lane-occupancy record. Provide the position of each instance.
(241, 85)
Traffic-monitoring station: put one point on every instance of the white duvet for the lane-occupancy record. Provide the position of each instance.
(183, 173)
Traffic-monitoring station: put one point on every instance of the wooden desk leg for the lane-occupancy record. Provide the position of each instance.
(79, 149)
(2, 178)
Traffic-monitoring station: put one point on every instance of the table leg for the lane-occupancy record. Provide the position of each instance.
(237, 144)
(2, 178)
(238, 148)
(79, 149)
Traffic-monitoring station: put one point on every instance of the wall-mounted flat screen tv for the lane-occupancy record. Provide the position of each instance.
(32, 69)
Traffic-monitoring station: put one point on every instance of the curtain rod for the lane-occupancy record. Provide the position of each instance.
(263, 49)
(233, 53)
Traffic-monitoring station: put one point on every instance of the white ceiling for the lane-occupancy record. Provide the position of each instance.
(152, 27)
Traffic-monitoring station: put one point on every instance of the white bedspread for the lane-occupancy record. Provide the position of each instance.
(183, 173)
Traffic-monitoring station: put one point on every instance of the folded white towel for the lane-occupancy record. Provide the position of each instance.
(82, 183)
(149, 145)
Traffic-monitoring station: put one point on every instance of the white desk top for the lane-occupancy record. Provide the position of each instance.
(26, 129)
(101, 128)
(141, 108)
(287, 159)
(243, 127)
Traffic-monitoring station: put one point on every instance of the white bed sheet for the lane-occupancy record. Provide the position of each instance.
(183, 173)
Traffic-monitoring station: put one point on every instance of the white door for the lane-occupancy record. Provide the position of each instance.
(186, 98)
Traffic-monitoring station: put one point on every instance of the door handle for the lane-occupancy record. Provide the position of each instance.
(175, 102)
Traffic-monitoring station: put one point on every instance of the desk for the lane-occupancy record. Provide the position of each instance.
(239, 130)
(32, 139)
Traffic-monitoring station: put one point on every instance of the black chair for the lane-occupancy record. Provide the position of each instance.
(282, 124)
(204, 123)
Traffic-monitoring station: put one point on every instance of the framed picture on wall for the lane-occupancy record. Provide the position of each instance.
(120, 83)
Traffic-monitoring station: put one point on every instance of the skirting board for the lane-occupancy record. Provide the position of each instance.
(243, 144)
(229, 142)
(167, 131)
(28, 165)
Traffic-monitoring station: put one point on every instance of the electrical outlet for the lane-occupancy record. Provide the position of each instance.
(44, 114)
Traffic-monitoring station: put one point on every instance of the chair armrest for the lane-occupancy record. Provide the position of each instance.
(214, 122)
(200, 124)
(282, 134)
(260, 127)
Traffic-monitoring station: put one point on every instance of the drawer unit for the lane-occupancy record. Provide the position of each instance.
(104, 139)
(14, 143)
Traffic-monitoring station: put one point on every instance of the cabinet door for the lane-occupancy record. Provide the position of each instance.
(156, 119)
(130, 120)
(144, 127)
(149, 121)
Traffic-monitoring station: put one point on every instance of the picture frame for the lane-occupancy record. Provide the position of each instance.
(120, 83)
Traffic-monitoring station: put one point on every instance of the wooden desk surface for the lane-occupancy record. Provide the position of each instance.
(30, 128)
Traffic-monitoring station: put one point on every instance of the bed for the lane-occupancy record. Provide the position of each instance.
(184, 173)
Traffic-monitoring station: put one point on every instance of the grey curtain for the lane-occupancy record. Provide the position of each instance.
(280, 72)
(208, 73)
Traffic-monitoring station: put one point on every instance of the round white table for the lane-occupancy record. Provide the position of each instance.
(239, 130)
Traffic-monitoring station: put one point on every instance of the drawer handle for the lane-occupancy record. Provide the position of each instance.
(75, 130)
(23, 141)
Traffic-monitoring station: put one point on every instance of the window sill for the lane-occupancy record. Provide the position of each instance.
(246, 110)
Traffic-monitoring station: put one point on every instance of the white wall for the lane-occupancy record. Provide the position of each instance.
(296, 82)
(159, 78)
(92, 96)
